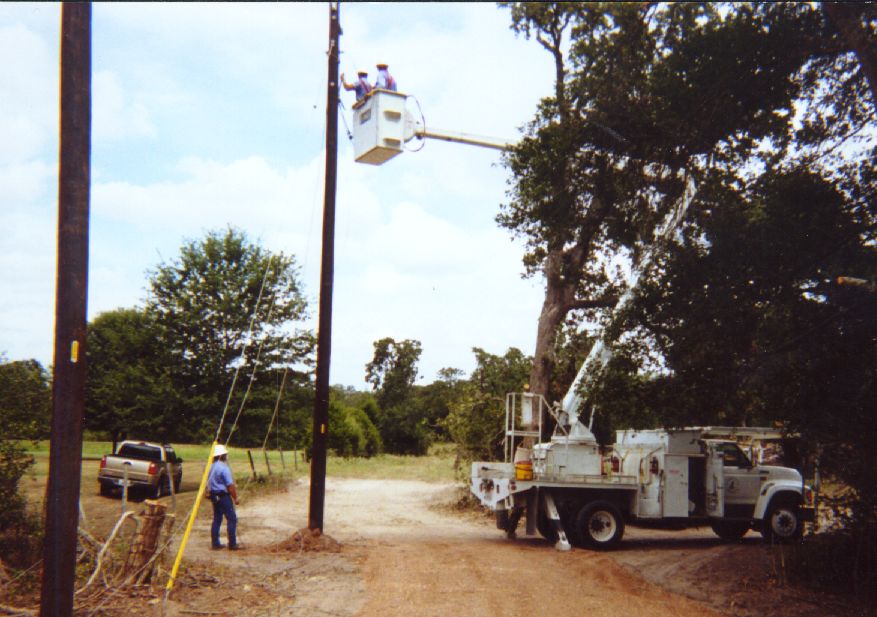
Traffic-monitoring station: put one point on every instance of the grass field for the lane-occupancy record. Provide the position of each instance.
(437, 466)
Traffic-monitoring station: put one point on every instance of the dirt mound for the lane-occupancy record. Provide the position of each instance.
(309, 541)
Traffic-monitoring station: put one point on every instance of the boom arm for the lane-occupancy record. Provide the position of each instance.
(601, 351)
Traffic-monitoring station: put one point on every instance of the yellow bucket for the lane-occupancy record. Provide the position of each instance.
(524, 470)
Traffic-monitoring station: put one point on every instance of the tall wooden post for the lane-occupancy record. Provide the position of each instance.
(327, 271)
(68, 384)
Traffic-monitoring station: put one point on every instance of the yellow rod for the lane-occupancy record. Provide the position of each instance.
(201, 489)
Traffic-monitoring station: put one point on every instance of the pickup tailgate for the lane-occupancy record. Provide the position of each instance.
(138, 470)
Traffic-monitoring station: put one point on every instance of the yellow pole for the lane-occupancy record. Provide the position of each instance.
(201, 489)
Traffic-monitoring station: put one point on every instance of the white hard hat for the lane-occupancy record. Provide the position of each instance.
(220, 450)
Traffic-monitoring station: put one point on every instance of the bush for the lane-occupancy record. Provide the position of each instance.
(19, 530)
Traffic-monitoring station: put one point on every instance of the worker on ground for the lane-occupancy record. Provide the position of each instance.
(224, 496)
(361, 85)
(385, 80)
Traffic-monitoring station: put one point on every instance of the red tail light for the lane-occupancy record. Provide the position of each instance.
(103, 461)
(153, 469)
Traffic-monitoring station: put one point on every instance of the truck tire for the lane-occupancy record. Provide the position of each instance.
(599, 525)
(545, 527)
(106, 490)
(163, 487)
(782, 525)
(730, 531)
(177, 481)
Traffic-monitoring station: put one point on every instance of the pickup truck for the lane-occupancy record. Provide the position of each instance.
(150, 467)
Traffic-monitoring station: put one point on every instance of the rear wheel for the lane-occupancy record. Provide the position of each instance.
(163, 487)
(782, 523)
(730, 531)
(599, 525)
(106, 490)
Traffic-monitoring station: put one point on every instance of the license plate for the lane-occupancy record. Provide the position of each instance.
(123, 483)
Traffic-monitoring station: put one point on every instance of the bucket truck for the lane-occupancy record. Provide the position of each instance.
(574, 491)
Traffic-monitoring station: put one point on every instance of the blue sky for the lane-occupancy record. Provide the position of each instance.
(206, 116)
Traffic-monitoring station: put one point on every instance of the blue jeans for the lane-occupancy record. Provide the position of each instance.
(223, 506)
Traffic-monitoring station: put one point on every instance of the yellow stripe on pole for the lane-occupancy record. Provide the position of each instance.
(201, 489)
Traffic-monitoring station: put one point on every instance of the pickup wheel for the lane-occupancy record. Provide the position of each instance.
(599, 525)
(177, 482)
(730, 531)
(106, 490)
(163, 487)
(782, 525)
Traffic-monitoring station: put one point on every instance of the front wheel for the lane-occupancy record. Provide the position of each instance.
(730, 531)
(599, 525)
(782, 524)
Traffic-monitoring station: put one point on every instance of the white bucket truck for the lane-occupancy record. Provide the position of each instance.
(572, 489)
(575, 491)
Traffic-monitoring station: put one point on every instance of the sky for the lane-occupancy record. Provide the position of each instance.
(209, 116)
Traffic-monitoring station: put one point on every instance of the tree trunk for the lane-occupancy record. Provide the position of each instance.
(144, 545)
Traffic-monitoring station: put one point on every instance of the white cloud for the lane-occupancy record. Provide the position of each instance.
(208, 115)
(29, 103)
(115, 117)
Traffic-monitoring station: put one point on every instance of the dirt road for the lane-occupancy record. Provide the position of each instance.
(405, 553)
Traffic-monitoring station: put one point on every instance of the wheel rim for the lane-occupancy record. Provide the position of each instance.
(602, 526)
(783, 523)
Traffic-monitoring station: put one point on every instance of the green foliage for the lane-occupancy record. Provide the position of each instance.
(476, 420)
(25, 399)
(129, 391)
(351, 432)
(392, 372)
(19, 537)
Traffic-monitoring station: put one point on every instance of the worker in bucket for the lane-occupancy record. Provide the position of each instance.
(224, 497)
(385, 80)
(361, 85)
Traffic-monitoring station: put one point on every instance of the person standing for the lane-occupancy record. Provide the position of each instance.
(361, 85)
(385, 80)
(224, 497)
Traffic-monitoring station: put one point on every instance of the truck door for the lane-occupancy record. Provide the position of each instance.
(742, 481)
(715, 482)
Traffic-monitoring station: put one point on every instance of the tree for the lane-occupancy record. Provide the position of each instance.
(475, 422)
(25, 399)
(129, 390)
(220, 304)
(392, 372)
(650, 93)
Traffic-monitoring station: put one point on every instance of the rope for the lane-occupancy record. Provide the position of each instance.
(244, 354)
(252, 377)
(276, 409)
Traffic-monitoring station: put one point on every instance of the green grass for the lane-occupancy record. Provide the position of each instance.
(193, 455)
(437, 466)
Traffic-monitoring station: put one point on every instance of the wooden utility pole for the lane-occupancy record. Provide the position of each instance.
(327, 271)
(68, 383)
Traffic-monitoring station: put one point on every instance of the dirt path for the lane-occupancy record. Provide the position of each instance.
(404, 555)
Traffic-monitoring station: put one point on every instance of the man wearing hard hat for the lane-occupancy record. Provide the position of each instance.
(361, 85)
(385, 80)
(224, 497)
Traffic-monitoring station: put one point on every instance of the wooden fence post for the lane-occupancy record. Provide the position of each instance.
(252, 465)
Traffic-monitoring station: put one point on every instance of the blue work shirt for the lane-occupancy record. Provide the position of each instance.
(220, 478)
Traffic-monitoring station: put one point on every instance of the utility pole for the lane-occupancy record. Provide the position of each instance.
(327, 270)
(68, 384)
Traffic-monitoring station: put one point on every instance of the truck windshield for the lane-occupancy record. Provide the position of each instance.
(733, 456)
(140, 451)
